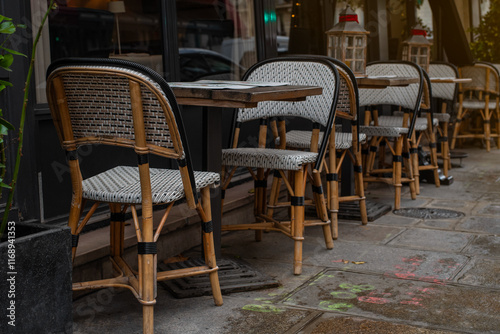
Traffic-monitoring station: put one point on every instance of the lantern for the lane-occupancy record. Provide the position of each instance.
(347, 41)
(417, 48)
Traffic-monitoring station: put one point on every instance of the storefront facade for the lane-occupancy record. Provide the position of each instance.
(187, 40)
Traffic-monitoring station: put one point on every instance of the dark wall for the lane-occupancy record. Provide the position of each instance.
(26, 196)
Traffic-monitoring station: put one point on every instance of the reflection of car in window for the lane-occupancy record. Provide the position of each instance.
(196, 64)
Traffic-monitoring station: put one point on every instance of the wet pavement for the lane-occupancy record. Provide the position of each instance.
(395, 275)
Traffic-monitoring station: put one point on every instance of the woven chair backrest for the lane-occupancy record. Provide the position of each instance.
(304, 71)
(407, 96)
(348, 100)
(100, 107)
(484, 78)
(446, 91)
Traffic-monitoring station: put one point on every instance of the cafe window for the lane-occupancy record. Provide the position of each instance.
(216, 38)
(128, 29)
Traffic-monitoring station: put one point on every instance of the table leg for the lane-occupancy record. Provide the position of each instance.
(212, 161)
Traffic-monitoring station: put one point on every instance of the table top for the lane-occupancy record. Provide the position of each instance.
(383, 82)
(450, 80)
(242, 98)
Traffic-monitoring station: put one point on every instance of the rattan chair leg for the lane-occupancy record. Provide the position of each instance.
(432, 144)
(360, 191)
(298, 220)
(457, 124)
(148, 319)
(274, 196)
(116, 230)
(396, 172)
(414, 161)
(409, 168)
(497, 124)
(208, 246)
(487, 128)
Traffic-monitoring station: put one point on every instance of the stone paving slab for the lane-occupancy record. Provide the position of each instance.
(391, 261)
(490, 209)
(117, 311)
(417, 303)
(444, 224)
(455, 191)
(392, 219)
(490, 197)
(369, 233)
(432, 240)
(462, 206)
(482, 272)
(484, 245)
(489, 225)
(333, 323)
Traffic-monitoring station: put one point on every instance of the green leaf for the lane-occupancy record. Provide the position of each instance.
(6, 124)
(13, 52)
(22, 26)
(5, 83)
(7, 60)
(2, 18)
(3, 185)
(7, 27)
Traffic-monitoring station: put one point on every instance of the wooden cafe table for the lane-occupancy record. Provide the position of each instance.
(217, 96)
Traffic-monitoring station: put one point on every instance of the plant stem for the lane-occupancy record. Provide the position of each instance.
(21, 124)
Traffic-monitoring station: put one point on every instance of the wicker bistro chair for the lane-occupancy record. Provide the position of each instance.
(123, 104)
(446, 93)
(409, 98)
(320, 109)
(424, 126)
(345, 143)
(481, 98)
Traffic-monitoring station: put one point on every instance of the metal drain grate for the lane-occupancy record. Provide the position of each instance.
(234, 276)
(427, 213)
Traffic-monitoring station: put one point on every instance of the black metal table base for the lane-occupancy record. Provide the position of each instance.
(234, 276)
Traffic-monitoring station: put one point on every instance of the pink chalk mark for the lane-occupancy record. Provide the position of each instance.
(410, 302)
(373, 300)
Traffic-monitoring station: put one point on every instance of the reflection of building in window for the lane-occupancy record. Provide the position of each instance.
(225, 26)
(283, 17)
(424, 15)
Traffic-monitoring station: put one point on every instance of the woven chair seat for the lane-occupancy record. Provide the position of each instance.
(420, 124)
(476, 104)
(442, 117)
(121, 185)
(302, 139)
(382, 131)
(267, 158)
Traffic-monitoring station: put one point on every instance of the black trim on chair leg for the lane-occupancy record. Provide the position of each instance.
(207, 227)
(146, 248)
(74, 240)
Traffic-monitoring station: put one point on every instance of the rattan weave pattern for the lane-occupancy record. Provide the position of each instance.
(395, 121)
(383, 131)
(478, 75)
(298, 139)
(477, 104)
(267, 158)
(112, 108)
(440, 90)
(316, 108)
(121, 185)
(401, 96)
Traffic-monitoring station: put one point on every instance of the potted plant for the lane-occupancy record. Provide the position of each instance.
(35, 259)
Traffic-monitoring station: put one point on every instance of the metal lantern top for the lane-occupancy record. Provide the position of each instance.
(418, 37)
(348, 24)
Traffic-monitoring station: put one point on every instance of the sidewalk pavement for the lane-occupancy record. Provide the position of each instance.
(394, 275)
